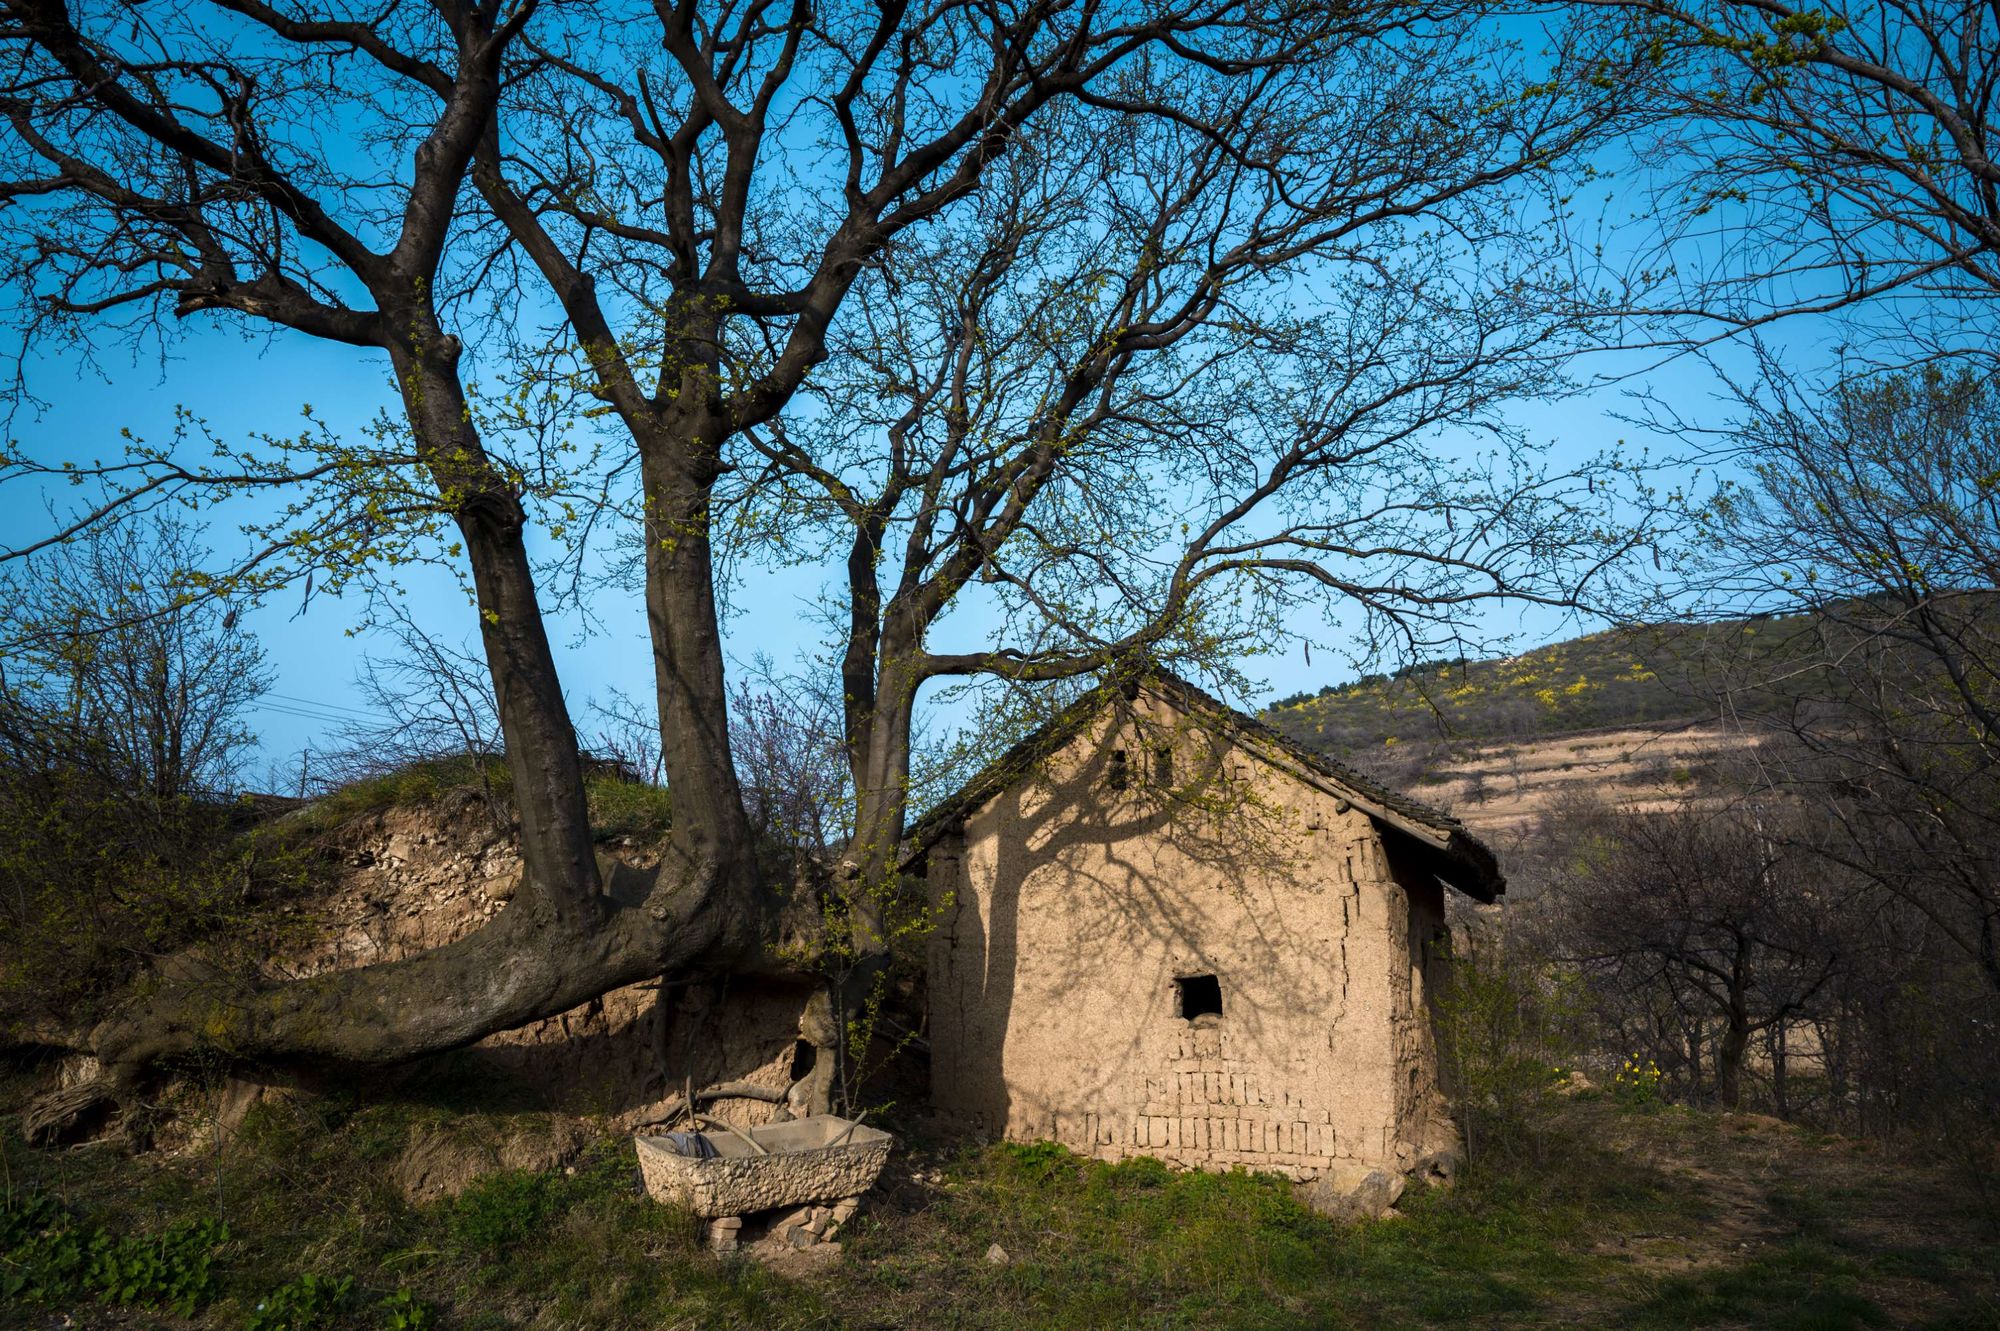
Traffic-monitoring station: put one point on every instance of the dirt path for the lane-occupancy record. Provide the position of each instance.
(1851, 1234)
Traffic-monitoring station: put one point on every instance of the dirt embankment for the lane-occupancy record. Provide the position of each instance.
(418, 877)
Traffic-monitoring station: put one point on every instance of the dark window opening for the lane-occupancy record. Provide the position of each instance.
(1199, 995)
(1163, 765)
(803, 1058)
(1116, 775)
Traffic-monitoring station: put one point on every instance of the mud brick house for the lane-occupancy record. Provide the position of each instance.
(1165, 930)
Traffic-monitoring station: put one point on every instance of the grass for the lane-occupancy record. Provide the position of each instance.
(627, 809)
(305, 1192)
(619, 808)
(318, 1236)
(412, 784)
(1800, 1285)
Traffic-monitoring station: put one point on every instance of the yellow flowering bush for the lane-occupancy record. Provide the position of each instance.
(1637, 1082)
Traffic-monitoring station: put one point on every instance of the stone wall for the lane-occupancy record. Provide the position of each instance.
(1074, 903)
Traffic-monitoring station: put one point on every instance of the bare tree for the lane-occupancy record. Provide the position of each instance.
(1872, 517)
(702, 189)
(1696, 924)
(1826, 155)
(627, 734)
(787, 739)
(432, 700)
(123, 701)
(113, 663)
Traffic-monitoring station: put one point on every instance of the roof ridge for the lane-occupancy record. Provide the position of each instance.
(1459, 843)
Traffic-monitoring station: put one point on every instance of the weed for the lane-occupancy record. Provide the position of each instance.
(501, 1211)
(404, 1311)
(304, 1304)
(171, 1270)
(42, 1251)
(48, 1255)
(1636, 1084)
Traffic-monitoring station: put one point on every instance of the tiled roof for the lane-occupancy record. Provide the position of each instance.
(1459, 857)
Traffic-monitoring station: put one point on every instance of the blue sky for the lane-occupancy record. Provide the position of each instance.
(242, 386)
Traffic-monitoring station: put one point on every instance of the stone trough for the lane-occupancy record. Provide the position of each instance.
(806, 1163)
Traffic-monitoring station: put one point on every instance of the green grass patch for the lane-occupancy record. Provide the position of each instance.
(295, 1226)
(1802, 1285)
(316, 1237)
(1138, 1245)
(413, 784)
(620, 808)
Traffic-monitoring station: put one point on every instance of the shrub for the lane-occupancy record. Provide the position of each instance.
(1503, 1031)
(502, 1211)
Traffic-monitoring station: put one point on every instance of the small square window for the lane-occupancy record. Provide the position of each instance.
(1198, 996)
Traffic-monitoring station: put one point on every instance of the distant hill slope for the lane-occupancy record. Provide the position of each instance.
(1619, 678)
(1620, 715)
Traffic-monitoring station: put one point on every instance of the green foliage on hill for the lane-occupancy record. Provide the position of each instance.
(1638, 676)
(97, 884)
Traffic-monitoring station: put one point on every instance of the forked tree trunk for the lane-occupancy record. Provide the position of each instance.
(561, 940)
(1735, 1042)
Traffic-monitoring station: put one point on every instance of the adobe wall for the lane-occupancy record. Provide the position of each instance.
(1070, 909)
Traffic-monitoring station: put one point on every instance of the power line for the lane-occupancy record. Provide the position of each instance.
(281, 709)
(330, 706)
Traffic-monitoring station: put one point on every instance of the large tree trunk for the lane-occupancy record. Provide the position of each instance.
(679, 469)
(880, 674)
(561, 939)
(879, 764)
(560, 884)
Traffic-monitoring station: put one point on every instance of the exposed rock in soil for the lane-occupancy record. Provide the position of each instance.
(1351, 1192)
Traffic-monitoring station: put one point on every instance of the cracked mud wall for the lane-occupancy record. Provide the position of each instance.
(1074, 901)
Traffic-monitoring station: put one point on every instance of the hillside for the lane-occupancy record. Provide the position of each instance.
(1625, 714)
(1646, 676)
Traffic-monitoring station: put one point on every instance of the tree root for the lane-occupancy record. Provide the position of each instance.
(522, 967)
(68, 1112)
(675, 1105)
